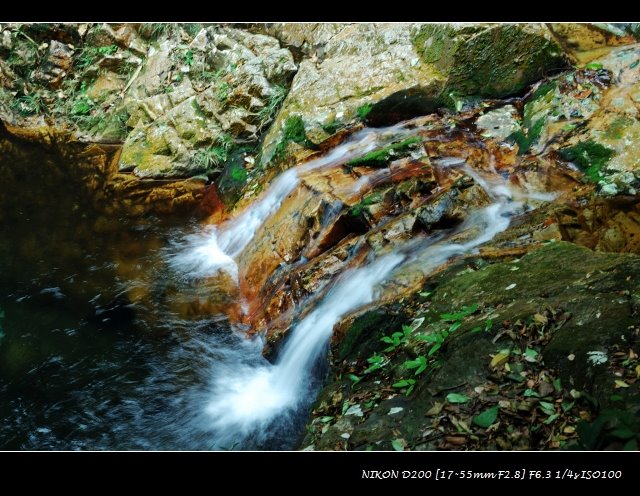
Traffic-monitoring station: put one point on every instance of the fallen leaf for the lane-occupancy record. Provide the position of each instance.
(499, 359)
(638, 371)
(398, 444)
(569, 429)
(621, 384)
(486, 418)
(510, 286)
(457, 440)
(457, 398)
(545, 388)
(541, 319)
(435, 409)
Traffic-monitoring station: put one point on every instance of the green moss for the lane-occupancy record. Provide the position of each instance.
(526, 137)
(370, 199)
(616, 129)
(293, 132)
(590, 156)
(379, 158)
(239, 174)
(363, 111)
(492, 61)
(333, 127)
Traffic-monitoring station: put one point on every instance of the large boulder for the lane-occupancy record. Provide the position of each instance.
(190, 103)
(385, 73)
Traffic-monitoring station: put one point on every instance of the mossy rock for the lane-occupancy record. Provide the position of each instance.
(492, 60)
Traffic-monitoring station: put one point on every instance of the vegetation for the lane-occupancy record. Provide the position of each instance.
(363, 111)
(293, 132)
(590, 156)
(379, 158)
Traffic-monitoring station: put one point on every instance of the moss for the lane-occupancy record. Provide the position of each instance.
(492, 61)
(370, 199)
(333, 127)
(526, 137)
(379, 158)
(590, 156)
(616, 129)
(293, 132)
(363, 111)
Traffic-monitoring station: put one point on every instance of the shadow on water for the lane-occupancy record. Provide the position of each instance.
(82, 365)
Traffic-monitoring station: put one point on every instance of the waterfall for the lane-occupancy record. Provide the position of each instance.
(217, 247)
(251, 400)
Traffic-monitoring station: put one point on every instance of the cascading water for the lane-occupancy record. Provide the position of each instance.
(215, 249)
(251, 402)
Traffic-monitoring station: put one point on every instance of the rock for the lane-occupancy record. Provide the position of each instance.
(580, 291)
(499, 123)
(584, 42)
(492, 60)
(57, 65)
(389, 72)
(186, 101)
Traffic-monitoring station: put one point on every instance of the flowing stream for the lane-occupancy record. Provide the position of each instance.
(105, 375)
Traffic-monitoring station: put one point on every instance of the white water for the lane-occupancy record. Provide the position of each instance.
(252, 399)
(218, 247)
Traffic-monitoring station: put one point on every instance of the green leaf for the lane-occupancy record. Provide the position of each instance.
(454, 326)
(345, 406)
(547, 408)
(386, 339)
(488, 325)
(425, 294)
(551, 418)
(530, 393)
(530, 355)
(623, 433)
(404, 383)
(457, 398)
(631, 445)
(373, 368)
(326, 418)
(567, 405)
(486, 418)
(593, 66)
(398, 444)
(419, 363)
(354, 378)
(434, 348)
(557, 385)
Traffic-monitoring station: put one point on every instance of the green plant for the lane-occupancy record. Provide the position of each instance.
(209, 157)
(107, 50)
(274, 102)
(239, 174)
(222, 92)
(186, 57)
(364, 110)
(406, 383)
(613, 425)
(29, 105)
(375, 362)
(293, 132)
(590, 156)
(397, 338)
(420, 364)
(381, 157)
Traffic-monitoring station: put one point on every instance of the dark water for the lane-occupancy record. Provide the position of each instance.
(81, 367)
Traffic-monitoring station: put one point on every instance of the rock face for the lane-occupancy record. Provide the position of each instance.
(189, 105)
(388, 72)
(562, 303)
